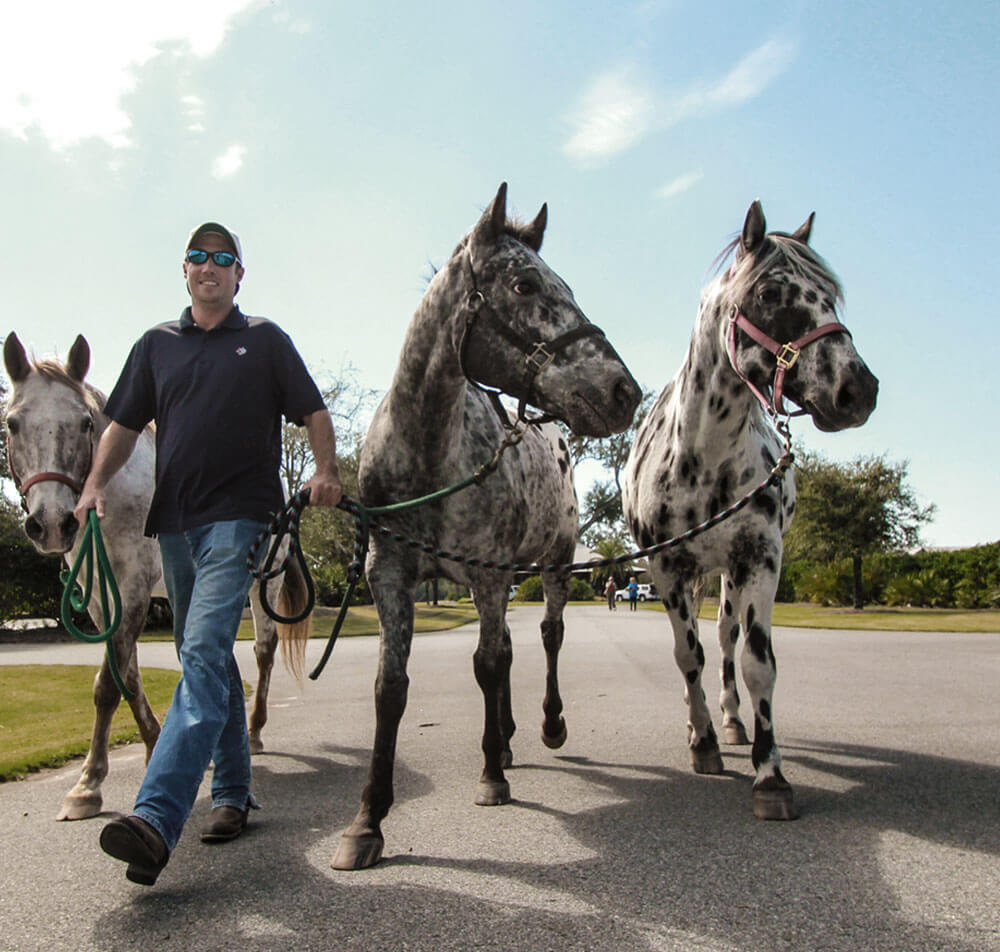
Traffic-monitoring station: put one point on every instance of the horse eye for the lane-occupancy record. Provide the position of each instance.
(87, 425)
(13, 426)
(525, 286)
(769, 295)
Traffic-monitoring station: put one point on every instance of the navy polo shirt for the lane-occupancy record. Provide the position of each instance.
(218, 398)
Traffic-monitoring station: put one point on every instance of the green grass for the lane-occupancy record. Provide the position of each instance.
(872, 618)
(47, 713)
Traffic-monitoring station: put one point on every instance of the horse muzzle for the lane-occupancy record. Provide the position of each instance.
(51, 533)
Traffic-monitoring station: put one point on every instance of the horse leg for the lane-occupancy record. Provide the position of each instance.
(491, 663)
(362, 842)
(553, 723)
(264, 647)
(690, 657)
(507, 725)
(772, 794)
(733, 730)
(85, 799)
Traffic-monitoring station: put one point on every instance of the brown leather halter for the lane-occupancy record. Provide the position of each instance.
(785, 354)
(22, 487)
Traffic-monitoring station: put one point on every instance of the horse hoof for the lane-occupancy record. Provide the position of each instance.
(707, 761)
(81, 808)
(735, 734)
(256, 745)
(774, 800)
(358, 852)
(555, 741)
(492, 793)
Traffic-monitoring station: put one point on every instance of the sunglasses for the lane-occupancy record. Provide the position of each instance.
(223, 259)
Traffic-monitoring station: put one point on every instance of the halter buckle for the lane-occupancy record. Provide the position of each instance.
(539, 358)
(787, 356)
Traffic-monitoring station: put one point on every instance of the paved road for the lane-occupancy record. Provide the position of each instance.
(891, 740)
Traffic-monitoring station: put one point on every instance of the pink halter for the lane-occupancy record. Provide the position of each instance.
(785, 354)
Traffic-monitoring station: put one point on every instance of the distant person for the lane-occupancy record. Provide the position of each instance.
(633, 594)
(609, 591)
(217, 383)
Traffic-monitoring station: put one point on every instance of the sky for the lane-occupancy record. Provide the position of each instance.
(351, 146)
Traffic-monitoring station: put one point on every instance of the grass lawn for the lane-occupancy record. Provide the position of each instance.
(47, 713)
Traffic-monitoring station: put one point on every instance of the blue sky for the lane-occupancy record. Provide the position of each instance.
(352, 145)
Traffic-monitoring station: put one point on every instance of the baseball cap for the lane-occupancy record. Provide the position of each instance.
(215, 228)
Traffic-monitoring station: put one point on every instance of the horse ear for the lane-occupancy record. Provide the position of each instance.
(15, 359)
(754, 229)
(535, 232)
(491, 226)
(805, 230)
(78, 362)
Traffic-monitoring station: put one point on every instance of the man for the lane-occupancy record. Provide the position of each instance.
(217, 383)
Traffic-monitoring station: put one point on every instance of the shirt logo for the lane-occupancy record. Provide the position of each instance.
(240, 351)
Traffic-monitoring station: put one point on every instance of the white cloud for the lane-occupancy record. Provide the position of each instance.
(613, 115)
(617, 111)
(66, 66)
(680, 184)
(229, 163)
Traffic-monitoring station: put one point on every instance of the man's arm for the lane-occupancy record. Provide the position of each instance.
(324, 488)
(113, 451)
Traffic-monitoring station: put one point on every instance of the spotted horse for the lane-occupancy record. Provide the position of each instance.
(54, 420)
(495, 316)
(766, 331)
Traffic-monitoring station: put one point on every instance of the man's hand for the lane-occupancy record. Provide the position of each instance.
(325, 488)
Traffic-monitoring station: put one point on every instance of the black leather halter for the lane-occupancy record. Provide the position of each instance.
(538, 354)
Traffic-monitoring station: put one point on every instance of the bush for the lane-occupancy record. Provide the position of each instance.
(31, 586)
(530, 590)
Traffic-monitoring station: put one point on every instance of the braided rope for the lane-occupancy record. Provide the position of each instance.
(287, 521)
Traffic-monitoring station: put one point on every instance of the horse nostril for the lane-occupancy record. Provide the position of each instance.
(33, 529)
(626, 393)
(68, 528)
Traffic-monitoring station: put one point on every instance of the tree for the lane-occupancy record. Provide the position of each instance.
(601, 514)
(852, 510)
(327, 535)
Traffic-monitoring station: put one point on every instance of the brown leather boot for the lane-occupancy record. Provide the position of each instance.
(224, 824)
(132, 840)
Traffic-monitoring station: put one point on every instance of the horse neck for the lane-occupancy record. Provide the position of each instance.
(713, 402)
(428, 390)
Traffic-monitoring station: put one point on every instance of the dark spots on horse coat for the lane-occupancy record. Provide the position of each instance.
(563, 465)
(727, 607)
(767, 504)
(692, 639)
(811, 296)
(692, 676)
(728, 671)
(734, 633)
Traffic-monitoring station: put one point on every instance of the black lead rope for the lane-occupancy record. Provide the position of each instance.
(287, 521)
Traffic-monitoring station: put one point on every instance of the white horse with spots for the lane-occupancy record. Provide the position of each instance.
(766, 330)
(495, 314)
(54, 421)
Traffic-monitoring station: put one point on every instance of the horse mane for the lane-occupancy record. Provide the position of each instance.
(779, 249)
(52, 369)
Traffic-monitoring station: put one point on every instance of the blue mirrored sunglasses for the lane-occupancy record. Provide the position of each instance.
(223, 259)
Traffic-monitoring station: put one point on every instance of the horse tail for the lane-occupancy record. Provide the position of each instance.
(292, 599)
(698, 593)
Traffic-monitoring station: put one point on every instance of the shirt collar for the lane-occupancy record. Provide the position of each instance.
(235, 320)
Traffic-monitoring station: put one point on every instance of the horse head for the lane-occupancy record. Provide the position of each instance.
(51, 422)
(783, 334)
(526, 336)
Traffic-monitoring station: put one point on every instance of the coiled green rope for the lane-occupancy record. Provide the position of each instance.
(76, 598)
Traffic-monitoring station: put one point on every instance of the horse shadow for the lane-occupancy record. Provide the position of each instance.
(665, 860)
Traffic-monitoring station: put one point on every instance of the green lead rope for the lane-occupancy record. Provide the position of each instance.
(76, 598)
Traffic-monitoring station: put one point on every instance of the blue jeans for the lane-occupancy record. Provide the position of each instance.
(207, 581)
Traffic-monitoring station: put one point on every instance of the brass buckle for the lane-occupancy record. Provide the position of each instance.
(539, 358)
(787, 356)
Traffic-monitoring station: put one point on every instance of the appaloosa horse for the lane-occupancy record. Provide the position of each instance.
(54, 421)
(766, 331)
(494, 315)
